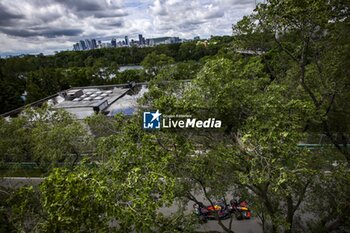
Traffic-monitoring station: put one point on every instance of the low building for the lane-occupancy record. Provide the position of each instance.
(83, 102)
(162, 40)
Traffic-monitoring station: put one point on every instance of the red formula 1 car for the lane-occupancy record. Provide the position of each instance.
(222, 211)
(240, 209)
(211, 212)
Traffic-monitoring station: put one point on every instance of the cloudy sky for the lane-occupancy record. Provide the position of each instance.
(45, 26)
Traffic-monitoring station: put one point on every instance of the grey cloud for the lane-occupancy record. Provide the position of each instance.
(161, 12)
(18, 32)
(116, 24)
(65, 10)
(109, 14)
(188, 25)
(185, 27)
(61, 32)
(159, 8)
(8, 18)
(100, 14)
(45, 18)
(108, 26)
(94, 8)
(49, 33)
(81, 5)
(213, 15)
(43, 3)
(90, 6)
(193, 22)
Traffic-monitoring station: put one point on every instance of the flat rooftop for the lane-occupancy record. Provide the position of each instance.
(83, 102)
(89, 101)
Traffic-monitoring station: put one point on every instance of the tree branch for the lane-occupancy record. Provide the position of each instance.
(285, 50)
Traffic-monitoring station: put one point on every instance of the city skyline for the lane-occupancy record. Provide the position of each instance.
(46, 26)
(93, 43)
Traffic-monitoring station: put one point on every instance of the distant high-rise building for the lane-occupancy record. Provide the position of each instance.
(88, 44)
(82, 45)
(76, 47)
(114, 42)
(126, 40)
(141, 40)
(94, 44)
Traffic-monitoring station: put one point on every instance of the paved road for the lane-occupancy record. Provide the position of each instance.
(16, 182)
(245, 226)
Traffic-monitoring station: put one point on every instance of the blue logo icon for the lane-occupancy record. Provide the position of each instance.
(151, 120)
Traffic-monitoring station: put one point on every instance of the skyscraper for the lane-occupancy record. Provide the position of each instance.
(114, 42)
(126, 40)
(76, 47)
(141, 40)
(94, 44)
(82, 45)
(88, 44)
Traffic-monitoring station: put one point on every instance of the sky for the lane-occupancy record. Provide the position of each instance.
(45, 26)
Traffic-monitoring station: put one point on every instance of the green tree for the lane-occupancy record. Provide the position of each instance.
(312, 36)
(123, 193)
(44, 136)
(153, 63)
(12, 87)
(309, 54)
(258, 154)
